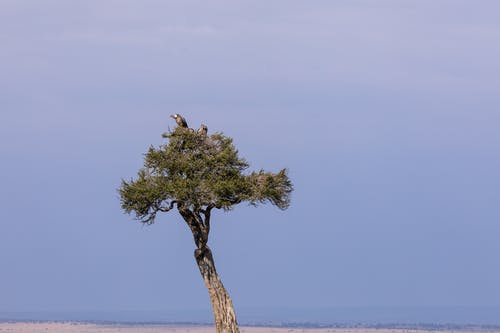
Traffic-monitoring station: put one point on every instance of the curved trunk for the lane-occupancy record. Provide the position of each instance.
(225, 319)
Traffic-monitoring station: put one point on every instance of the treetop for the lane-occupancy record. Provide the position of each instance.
(199, 172)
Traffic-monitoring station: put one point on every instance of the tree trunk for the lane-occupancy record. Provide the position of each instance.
(222, 307)
(225, 319)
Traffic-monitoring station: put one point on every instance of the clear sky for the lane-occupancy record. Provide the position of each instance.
(387, 114)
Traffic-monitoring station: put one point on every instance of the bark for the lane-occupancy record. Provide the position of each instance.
(222, 306)
(224, 316)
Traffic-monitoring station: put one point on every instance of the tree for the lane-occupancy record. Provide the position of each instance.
(196, 173)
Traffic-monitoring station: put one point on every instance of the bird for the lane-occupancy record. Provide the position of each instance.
(202, 130)
(181, 122)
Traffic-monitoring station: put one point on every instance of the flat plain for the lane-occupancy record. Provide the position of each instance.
(49, 327)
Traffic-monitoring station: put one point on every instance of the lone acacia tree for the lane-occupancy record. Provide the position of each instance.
(196, 173)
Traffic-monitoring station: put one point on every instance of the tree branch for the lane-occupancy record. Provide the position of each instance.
(207, 212)
(148, 218)
(199, 220)
(195, 223)
(170, 207)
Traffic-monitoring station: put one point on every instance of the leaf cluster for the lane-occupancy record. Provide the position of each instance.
(199, 172)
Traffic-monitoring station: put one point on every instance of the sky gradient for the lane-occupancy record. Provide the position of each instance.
(386, 114)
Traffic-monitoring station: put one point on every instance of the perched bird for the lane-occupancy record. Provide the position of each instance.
(180, 120)
(202, 130)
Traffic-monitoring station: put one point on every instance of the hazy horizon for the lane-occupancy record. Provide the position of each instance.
(275, 316)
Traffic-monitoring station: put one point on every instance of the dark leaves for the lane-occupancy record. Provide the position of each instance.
(199, 171)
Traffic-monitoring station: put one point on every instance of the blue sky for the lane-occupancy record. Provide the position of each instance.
(385, 112)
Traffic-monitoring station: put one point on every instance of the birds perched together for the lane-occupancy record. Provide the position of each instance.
(181, 122)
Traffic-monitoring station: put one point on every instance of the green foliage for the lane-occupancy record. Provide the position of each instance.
(199, 172)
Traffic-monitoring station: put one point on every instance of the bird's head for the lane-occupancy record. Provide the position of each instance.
(204, 126)
(174, 116)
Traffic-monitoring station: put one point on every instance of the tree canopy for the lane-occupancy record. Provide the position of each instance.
(199, 172)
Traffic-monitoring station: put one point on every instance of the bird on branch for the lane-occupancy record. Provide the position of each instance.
(181, 122)
(202, 130)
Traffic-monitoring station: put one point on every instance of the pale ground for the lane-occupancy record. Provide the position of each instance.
(93, 328)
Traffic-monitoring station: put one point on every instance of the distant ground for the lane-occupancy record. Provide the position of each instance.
(439, 317)
(48, 327)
